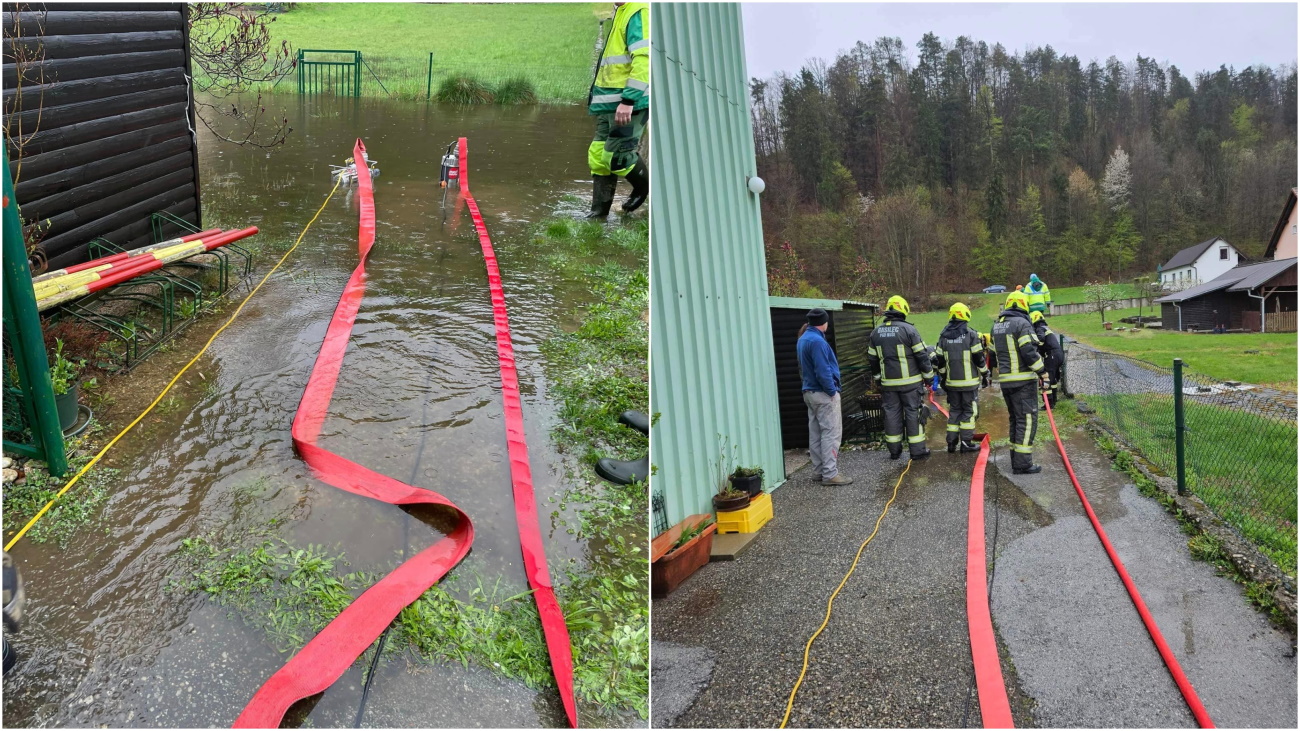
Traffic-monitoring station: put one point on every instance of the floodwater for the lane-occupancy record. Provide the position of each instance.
(418, 399)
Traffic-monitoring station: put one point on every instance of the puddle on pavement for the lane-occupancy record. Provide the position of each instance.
(418, 399)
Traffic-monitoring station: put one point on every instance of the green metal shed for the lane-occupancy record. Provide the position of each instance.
(711, 363)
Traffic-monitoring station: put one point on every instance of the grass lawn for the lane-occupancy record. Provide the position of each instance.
(550, 44)
(1242, 465)
(1224, 357)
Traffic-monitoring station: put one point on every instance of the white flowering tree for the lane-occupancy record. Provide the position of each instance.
(1116, 182)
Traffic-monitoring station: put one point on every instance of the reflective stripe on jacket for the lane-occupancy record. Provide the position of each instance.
(962, 355)
(624, 71)
(896, 354)
(1017, 347)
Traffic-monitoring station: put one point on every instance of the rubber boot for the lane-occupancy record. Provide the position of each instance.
(952, 441)
(895, 451)
(602, 195)
(969, 446)
(639, 178)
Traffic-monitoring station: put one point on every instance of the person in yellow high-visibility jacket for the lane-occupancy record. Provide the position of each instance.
(620, 101)
(1040, 297)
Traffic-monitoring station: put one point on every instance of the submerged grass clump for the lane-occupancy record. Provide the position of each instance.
(75, 509)
(464, 89)
(516, 90)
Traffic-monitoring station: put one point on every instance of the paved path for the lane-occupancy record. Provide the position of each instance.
(896, 652)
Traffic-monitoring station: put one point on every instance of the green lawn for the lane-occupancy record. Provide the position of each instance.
(551, 44)
(1241, 464)
(1225, 357)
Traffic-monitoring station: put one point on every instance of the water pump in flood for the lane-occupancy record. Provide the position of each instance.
(346, 173)
(450, 172)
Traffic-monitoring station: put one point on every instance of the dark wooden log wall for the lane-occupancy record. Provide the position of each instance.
(98, 118)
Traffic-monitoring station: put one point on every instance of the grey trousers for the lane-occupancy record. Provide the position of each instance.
(825, 428)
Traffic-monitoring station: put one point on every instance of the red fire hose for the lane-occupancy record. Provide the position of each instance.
(330, 653)
(521, 476)
(1175, 670)
(995, 707)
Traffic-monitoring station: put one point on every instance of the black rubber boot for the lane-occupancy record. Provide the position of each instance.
(1032, 469)
(602, 195)
(895, 453)
(639, 178)
(922, 455)
(967, 446)
(952, 441)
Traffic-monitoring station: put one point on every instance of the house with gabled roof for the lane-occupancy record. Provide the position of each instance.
(1198, 264)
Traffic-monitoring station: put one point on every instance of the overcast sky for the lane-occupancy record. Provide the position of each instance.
(1192, 36)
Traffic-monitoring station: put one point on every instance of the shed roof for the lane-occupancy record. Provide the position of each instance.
(807, 303)
(1237, 279)
(1188, 256)
(1261, 273)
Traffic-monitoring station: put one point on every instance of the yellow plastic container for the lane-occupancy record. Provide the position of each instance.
(748, 520)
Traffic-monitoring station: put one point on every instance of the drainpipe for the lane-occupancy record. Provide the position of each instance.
(1180, 315)
(1261, 308)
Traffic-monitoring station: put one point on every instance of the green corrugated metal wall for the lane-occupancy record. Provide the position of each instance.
(711, 361)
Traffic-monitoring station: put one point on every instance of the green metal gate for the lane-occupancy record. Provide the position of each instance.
(332, 73)
(31, 422)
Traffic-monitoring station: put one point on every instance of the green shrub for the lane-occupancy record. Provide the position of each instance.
(516, 90)
(464, 89)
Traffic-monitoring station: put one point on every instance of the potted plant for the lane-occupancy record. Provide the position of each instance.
(726, 497)
(748, 480)
(731, 499)
(679, 552)
(63, 377)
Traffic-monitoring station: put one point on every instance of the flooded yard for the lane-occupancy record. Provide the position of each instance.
(111, 639)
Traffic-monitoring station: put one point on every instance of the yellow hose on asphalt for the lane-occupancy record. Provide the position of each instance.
(173, 381)
(830, 604)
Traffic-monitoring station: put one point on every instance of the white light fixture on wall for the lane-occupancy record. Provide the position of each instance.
(756, 185)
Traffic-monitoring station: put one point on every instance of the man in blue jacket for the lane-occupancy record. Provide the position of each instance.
(821, 393)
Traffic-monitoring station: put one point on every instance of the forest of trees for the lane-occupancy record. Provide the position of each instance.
(977, 167)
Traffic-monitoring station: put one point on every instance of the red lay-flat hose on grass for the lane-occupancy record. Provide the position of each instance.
(330, 653)
(995, 707)
(530, 534)
(1175, 670)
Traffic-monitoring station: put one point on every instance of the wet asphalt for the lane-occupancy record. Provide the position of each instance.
(896, 652)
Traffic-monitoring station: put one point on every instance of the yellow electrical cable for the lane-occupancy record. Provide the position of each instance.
(176, 378)
(789, 706)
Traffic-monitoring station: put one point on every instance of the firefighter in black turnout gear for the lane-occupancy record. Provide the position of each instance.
(959, 358)
(1053, 354)
(897, 359)
(1020, 368)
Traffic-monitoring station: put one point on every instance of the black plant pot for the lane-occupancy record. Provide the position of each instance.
(66, 405)
(729, 504)
(752, 485)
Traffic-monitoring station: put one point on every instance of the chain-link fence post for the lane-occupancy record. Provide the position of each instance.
(1180, 426)
(428, 86)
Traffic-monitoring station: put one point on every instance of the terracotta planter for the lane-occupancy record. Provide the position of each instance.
(674, 566)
